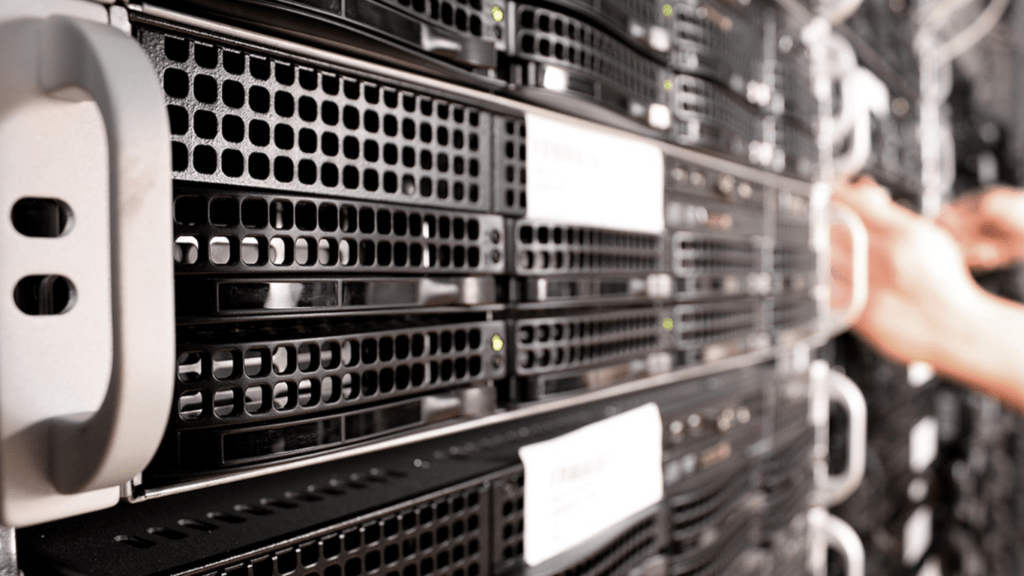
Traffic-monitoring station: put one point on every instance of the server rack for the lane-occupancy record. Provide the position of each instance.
(324, 241)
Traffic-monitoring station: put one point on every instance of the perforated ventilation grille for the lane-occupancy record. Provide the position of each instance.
(509, 166)
(716, 562)
(698, 326)
(508, 522)
(788, 500)
(544, 249)
(709, 115)
(236, 383)
(546, 345)
(547, 36)
(443, 534)
(710, 41)
(793, 312)
(714, 255)
(622, 555)
(631, 548)
(781, 463)
(465, 16)
(789, 259)
(800, 148)
(698, 510)
(224, 232)
(242, 118)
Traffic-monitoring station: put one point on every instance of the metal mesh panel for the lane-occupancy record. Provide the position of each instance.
(466, 17)
(441, 534)
(226, 232)
(709, 331)
(509, 166)
(545, 345)
(550, 37)
(243, 118)
(695, 511)
(713, 42)
(715, 265)
(507, 513)
(801, 151)
(715, 558)
(265, 380)
(791, 313)
(559, 249)
(708, 115)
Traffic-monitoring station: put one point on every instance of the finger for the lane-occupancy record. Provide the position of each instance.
(879, 214)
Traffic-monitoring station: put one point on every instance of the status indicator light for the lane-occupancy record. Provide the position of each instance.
(497, 344)
(667, 10)
(497, 13)
(667, 324)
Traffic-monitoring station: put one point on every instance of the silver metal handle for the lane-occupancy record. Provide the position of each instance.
(840, 321)
(836, 488)
(109, 447)
(828, 531)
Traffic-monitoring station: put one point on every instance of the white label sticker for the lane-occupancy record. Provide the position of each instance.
(592, 177)
(586, 481)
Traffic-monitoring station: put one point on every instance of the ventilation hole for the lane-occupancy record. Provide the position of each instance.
(204, 89)
(307, 140)
(205, 124)
(225, 402)
(41, 217)
(257, 399)
(307, 109)
(328, 174)
(329, 113)
(175, 83)
(234, 62)
(233, 94)
(284, 396)
(222, 250)
(186, 250)
(284, 169)
(259, 166)
(350, 177)
(167, 533)
(204, 159)
(224, 212)
(259, 68)
(44, 295)
(284, 73)
(176, 49)
(330, 84)
(329, 144)
(134, 541)
(351, 147)
(178, 118)
(284, 104)
(233, 128)
(284, 137)
(190, 405)
(351, 118)
(197, 525)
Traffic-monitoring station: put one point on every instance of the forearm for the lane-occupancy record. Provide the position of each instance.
(986, 352)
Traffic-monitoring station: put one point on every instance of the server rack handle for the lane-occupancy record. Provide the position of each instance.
(829, 531)
(841, 320)
(836, 488)
(81, 60)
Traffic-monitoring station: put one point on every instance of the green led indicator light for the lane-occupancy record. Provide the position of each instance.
(667, 10)
(498, 14)
(667, 324)
(497, 343)
(668, 84)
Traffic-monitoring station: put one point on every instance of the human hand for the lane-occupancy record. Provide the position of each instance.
(919, 287)
(989, 225)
